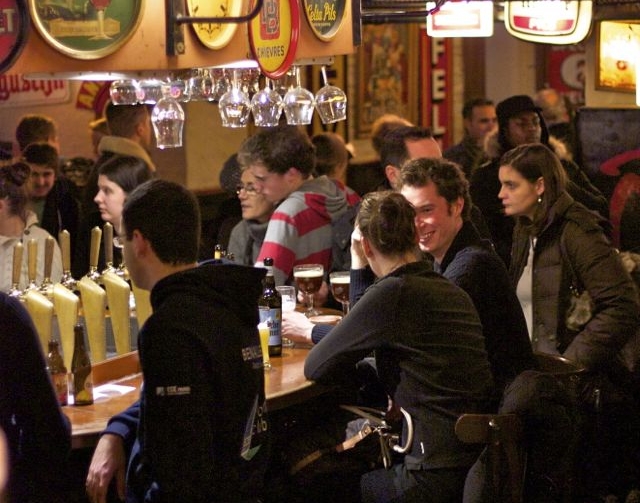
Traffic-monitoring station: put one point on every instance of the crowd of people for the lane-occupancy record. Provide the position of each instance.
(464, 265)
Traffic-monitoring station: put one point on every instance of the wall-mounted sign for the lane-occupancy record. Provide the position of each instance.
(550, 21)
(461, 19)
(86, 29)
(273, 36)
(324, 17)
(14, 25)
(16, 91)
(215, 35)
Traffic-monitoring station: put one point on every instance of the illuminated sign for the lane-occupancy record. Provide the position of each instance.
(549, 21)
(461, 19)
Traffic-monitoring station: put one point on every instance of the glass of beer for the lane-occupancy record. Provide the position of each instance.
(264, 331)
(340, 282)
(308, 278)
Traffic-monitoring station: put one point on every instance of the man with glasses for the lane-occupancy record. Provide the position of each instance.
(282, 160)
(519, 122)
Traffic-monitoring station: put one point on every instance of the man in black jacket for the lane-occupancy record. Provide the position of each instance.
(438, 190)
(199, 432)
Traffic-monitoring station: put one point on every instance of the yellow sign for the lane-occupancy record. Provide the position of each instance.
(274, 36)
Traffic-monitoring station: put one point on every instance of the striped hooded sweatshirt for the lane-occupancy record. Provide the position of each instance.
(299, 230)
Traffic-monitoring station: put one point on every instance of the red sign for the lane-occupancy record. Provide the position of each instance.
(273, 36)
(14, 21)
(436, 72)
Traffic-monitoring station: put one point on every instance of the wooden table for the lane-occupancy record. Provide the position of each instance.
(285, 385)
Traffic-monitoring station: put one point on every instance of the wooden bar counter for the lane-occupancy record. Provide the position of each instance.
(285, 385)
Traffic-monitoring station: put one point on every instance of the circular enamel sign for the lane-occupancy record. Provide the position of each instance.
(14, 25)
(324, 17)
(273, 36)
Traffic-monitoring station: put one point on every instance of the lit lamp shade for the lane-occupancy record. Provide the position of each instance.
(551, 22)
(461, 19)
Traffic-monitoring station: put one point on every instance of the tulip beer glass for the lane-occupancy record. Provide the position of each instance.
(308, 278)
(340, 282)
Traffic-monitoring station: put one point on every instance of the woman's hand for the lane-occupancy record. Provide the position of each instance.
(358, 258)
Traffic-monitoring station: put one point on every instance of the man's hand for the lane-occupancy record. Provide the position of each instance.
(108, 461)
(297, 327)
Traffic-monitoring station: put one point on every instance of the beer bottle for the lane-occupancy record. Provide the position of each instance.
(270, 306)
(58, 372)
(81, 369)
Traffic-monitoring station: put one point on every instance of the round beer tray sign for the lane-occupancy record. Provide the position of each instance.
(324, 17)
(273, 36)
(14, 25)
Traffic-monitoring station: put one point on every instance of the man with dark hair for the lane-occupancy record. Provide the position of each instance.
(203, 395)
(479, 120)
(131, 135)
(402, 144)
(439, 192)
(282, 161)
(36, 128)
(50, 194)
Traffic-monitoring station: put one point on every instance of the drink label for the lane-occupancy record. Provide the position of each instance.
(273, 318)
(60, 386)
(83, 386)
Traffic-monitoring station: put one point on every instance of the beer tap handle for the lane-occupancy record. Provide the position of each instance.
(32, 258)
(107, 233)
(94, 254)
(64, 238)
(18, 252)
(48, 258)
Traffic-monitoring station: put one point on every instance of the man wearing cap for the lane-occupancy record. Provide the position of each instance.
(519, 122)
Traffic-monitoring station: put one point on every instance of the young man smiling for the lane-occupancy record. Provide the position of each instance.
(438, 190)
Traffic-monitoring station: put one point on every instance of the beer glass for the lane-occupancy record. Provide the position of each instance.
(167, 118)
(288, 294)
(298, 104)
(264, 331)
(234, 105)
(331, 102)
(266, 106)
(308, 278)
(340, 282)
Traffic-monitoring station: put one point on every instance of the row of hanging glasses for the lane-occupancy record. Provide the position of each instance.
(239, 96)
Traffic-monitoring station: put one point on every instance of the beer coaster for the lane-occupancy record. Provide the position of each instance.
(327, 319)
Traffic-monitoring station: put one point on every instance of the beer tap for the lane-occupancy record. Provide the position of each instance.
(64, 238)
(32, 264)
(18, 251)
(94, 254)
(47, 285)
(107, 241)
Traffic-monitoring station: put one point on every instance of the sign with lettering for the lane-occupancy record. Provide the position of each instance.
(273, 36)
(563, 23)
(14, 25)
(324, 17)
(461, 19)
(16, 91)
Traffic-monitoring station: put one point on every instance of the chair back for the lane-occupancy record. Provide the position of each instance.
(504, 458)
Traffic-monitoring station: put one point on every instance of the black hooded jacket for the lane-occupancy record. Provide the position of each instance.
(202, 430)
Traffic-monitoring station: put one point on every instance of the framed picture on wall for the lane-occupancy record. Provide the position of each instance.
(618, 50)
(382, 76)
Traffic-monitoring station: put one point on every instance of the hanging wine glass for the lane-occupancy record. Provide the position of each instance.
(234, 105)
(152, 91)
(125, 92)
(331, 102)
(266, 106)
(201, 85)
(167, 118)
(222, 78)
(298, 104)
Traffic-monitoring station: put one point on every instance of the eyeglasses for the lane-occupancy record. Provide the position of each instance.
(249, 188)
